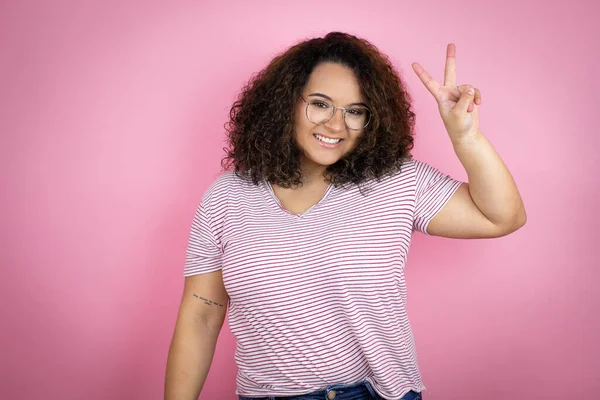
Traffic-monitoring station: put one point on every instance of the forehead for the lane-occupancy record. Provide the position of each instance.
(336, 81)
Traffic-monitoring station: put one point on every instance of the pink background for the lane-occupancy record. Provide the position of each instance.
(111, 122)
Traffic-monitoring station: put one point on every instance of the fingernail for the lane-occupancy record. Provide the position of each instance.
(470, 91)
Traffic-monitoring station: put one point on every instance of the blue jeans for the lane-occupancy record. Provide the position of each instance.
(340, 391)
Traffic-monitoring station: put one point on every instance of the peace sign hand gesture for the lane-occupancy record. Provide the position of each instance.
(458, 105)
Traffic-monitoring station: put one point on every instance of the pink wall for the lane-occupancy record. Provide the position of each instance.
(111, 123)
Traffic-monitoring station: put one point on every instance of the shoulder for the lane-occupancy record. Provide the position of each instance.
(224, 185)
(407, 171)
(415, 174)
(393, 183)
(410, 166)
(414, 165)
(422, 172)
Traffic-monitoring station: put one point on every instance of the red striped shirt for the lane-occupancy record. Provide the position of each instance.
(318, 298)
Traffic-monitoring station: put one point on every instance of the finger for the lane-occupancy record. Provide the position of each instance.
(475, 113)
(450, 71)
(463, 88)
(427, 80)
(459, 91)
(466, 99)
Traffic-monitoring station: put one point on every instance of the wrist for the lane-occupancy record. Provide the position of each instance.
(467, 140)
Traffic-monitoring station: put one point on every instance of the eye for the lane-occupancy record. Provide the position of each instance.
(356, 111)
(320, 104)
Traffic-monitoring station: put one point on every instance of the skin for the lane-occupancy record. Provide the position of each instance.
(488, 206)
(340, 84)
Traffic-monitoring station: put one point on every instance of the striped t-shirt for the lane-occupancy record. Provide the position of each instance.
(318, 298)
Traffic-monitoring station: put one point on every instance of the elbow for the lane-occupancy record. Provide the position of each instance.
(514, 224)
(522, 219)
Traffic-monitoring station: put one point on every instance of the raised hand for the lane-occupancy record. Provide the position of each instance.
(458, 105)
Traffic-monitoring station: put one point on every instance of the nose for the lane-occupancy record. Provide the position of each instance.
(336, 123)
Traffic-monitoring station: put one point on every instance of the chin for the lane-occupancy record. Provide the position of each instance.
(324, 160)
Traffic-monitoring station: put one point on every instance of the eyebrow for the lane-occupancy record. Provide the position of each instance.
(330, 99)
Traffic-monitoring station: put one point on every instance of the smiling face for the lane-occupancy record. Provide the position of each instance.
(337, 85)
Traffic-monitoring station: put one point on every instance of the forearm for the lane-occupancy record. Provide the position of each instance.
(190, 356)
(491, 185)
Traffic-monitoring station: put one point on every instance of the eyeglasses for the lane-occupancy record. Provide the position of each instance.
(320, 111)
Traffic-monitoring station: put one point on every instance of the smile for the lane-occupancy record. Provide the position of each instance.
(326, 140)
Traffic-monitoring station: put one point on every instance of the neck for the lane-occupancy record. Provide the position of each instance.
(312, 172)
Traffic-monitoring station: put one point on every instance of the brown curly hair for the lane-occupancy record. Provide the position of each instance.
(260, 132)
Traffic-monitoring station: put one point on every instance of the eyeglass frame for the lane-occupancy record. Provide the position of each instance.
(333, 113)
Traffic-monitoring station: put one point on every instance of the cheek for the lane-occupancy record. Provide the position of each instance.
(301, 124)
(354, 139)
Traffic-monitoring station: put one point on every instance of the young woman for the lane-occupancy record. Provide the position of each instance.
(305, 235)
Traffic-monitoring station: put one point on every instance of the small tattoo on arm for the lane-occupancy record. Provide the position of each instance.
(206, 301)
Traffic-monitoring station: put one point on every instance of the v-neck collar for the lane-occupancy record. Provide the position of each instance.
(282, 208)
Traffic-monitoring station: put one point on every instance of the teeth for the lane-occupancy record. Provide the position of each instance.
(327, 140)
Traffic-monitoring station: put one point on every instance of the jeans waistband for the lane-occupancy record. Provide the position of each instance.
(338, 391)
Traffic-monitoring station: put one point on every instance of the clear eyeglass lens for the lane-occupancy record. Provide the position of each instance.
(318, 112)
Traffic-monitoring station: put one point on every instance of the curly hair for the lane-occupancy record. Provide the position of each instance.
(260, 131)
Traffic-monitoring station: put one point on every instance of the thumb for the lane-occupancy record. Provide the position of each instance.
(466, 98)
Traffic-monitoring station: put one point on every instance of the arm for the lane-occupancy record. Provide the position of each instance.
(201, 316)
(490, 204)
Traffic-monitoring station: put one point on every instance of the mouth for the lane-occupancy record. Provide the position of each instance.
(327, 141)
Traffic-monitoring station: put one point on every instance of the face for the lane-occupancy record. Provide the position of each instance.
(337, 85)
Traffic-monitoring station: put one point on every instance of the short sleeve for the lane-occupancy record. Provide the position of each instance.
(433, 190)
(204, 250)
